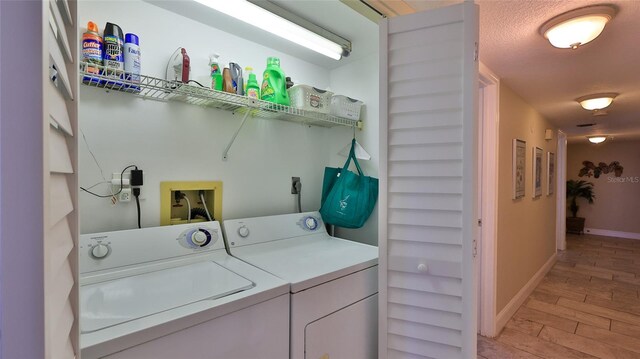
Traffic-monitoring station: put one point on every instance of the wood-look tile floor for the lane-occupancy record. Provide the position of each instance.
(587, 306)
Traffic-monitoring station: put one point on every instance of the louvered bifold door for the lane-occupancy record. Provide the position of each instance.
(60, 179)
(428, 133)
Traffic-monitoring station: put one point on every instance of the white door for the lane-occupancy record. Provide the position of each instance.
(60, 179)
(428, 109)
(478, 234)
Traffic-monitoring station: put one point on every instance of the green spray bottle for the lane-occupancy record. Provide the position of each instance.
(274, 84)
(215, 72)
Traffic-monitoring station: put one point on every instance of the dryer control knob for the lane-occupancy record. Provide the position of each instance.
(199, 238)
(243, 232)
(311, 223)
(100, 251)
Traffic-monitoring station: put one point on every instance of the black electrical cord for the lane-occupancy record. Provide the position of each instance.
(136, 194)
(196, 83)
(113, 194)
(299, 190)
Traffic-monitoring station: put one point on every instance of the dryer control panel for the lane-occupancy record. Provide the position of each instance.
(247, 231)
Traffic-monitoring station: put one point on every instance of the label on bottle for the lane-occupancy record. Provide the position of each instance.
(267, 90)
(215, 69)
(314, 101)
(92, 52)
(132, 62)
(252, 93)
(113, 54)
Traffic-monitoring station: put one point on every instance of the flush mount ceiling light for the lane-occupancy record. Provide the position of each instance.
(596, 101)
(289, 29)
(577, 27)
(597, 139)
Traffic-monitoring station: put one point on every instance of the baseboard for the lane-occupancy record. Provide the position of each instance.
(608, 233)
(510, 309)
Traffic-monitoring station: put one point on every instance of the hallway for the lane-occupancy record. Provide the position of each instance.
(587, 306)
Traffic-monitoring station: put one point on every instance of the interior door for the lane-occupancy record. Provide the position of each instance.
(428, 170)
(60, 179)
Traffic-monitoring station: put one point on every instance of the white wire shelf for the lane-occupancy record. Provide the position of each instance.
(153, 88)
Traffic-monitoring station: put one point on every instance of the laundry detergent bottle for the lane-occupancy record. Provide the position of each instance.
(252, 87)
(274, 85)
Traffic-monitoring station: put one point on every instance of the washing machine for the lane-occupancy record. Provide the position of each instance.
(174, 292)
(334, 282)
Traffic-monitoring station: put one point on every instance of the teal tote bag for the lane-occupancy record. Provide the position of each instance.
(348, 198)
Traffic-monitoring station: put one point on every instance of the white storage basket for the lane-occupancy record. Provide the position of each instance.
(346, 107)
(309, 98)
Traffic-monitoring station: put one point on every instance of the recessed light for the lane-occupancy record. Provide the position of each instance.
(577, 27)
(596, 101)
(597, 139)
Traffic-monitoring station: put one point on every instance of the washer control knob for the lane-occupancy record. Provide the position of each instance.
(311, 223)
(243, 232)
(199, 238)
(100, 251)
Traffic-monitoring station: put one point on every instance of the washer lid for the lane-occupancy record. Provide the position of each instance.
(121, 300)
(309, 260)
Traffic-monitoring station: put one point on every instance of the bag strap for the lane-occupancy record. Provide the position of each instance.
(352, 155)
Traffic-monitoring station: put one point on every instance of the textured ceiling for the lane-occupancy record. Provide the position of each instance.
(551, 79)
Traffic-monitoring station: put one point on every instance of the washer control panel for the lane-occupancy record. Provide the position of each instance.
(108, 250)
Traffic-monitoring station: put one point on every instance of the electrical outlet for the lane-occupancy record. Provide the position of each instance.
(125, 195)
(294, 180)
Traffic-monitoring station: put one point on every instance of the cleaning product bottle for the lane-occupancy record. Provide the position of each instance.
(227, 82)
(236, 78)
(92, 52)
(113, 55)
(186, 66)
(252, 88)
(273, 83)
(216, 73)
(132, 60)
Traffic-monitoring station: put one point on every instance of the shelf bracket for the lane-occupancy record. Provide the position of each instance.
(225, 154)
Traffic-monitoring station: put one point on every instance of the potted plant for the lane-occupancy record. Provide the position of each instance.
(575, 190)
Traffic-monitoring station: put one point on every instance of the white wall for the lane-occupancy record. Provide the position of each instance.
(360, 80)
(174, 141)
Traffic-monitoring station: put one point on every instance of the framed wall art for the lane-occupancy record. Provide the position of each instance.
(519, 167)
(551, 173)
(537, 172)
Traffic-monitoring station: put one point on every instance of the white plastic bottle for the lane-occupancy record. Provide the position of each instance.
(132, 58)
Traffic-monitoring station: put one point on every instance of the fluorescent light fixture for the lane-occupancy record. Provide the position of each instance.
(577, 27)
(597, 139)
(267, 21)
(596, 101)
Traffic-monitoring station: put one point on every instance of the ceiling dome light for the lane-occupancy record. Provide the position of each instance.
(597, 139)
(577, 27)
(596, 101)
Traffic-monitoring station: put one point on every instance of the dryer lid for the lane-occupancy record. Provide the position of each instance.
(113, 302)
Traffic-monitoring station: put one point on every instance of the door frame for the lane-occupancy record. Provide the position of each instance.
(489, 185)
(561, 192)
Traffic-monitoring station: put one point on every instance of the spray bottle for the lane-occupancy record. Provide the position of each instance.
(92, 52)
(215, 72)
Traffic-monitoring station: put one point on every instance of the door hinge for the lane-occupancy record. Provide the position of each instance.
(475, 248)
(475, 54)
